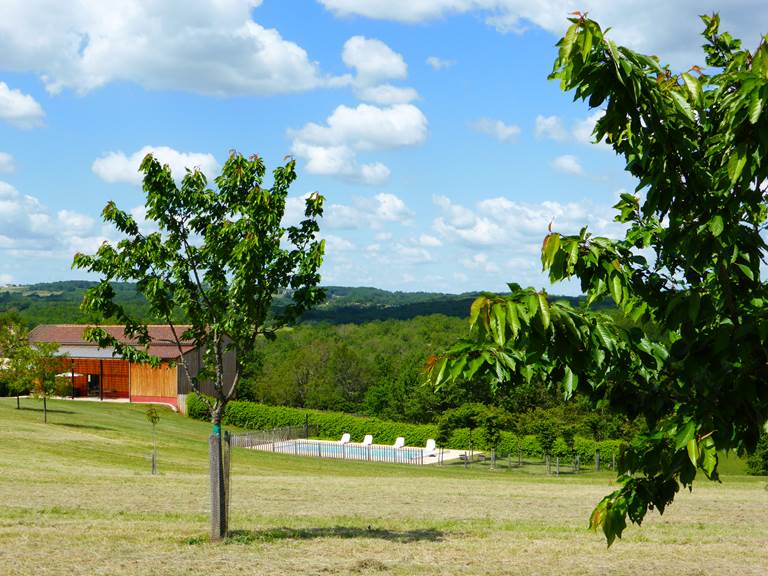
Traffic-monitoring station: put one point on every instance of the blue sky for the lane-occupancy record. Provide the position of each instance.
(429, 125)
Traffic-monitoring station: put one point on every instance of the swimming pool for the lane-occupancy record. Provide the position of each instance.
(326, 449)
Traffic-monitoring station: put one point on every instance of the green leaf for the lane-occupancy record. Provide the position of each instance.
(755, 107)
(736, 163)
(716, 225)
(573, 255)
(746, 270)
(615, 286)
(685, 434)
(604, 336)
(543, 309)
(512, 318)
(474, 310)
(548, 249)
(566, 44)
(693, 451)
(586, 43)
(570, 382)
(683, 105)
(694, 88)
(709, 460)
(694, 305)
(498, 323)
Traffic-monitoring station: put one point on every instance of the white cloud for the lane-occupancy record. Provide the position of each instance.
(337, 244)
(72, 220)
(568, 164)
(386, 94)
(294, 209)
(19, 109)
(206, 46)
(390, 208)
(670, 29)
(496, 129)
(368, 127)
(503, 222)
(400, 10)
(439, 63)
(373, 60)
(412, 254)
(29, 229)
(117, 167)
(429, 241)
(551, 127)
(480, 261)
(582, 129)
(6, 279)
(498, 239)
(332, 148)
(7, 164)
(464, 225)
(369, 213)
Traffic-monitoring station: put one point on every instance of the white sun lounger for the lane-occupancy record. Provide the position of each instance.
(368, 440)
(429, 449)
(344, 438)
(399, 443)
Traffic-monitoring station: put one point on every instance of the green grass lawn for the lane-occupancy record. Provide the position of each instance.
(77, 498)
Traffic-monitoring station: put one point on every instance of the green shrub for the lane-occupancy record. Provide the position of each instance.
(332, 425)
(757, 464)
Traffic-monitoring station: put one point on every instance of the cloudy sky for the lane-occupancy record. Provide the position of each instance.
(428, 125)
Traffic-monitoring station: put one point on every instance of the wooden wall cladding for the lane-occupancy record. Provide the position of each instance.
(148, 381)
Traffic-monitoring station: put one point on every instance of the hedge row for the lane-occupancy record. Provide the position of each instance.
(332, 425)
(528, 446)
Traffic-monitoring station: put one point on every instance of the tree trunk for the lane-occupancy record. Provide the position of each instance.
(154, 451)
(18, 406)
(218, 484)
(45, 410)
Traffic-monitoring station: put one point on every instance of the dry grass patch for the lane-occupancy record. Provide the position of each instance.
(78, 499)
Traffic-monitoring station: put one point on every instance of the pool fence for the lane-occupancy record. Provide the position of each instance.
(259, 438)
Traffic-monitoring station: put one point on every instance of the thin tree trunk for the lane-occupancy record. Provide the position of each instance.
(154, 451)
(18, 406)
(218, 485)
(45, 410)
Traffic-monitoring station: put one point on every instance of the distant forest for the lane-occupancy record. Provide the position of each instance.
(59, 303)
(362, 351)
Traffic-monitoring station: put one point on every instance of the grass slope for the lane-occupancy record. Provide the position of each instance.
(77, 499)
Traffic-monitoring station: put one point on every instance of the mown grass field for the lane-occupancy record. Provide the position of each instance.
(77, 498)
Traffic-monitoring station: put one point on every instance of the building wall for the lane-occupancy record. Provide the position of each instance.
(194, 360)
(150, 384)
(109, 377)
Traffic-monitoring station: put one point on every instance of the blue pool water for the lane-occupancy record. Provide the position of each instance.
(320, 449)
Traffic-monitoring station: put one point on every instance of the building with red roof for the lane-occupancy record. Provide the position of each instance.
(95, 372)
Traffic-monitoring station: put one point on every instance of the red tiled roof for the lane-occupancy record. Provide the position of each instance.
(163, 345)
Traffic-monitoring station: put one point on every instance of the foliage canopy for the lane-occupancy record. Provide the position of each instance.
(688, 270)
(217, 258)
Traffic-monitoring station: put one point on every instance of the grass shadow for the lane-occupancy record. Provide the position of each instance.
(346, 532)
(83, 426)
(50, 410)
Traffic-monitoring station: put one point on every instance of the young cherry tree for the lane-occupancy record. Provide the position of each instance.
(695, 365)
(218, 257)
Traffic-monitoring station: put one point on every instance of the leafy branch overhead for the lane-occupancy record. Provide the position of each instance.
(687, 274)
(217, 259)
